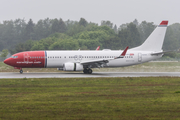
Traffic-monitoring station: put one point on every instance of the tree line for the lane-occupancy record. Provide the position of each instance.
(56, 34)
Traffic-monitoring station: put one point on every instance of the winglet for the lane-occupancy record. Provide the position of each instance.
(123, 53)
(98, 48)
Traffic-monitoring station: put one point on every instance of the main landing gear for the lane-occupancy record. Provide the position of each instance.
(87, 71)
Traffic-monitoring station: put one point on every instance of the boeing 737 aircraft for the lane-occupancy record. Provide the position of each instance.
(77, 60)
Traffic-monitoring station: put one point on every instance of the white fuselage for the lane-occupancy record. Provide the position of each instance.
(56, 59)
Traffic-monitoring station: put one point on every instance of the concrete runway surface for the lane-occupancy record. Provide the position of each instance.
(81, 75)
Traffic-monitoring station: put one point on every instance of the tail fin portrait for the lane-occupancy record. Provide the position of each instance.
(155, 41)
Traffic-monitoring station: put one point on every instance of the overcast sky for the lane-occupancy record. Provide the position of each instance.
(117, 11)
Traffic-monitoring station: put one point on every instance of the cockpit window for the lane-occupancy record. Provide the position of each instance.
(14, 56)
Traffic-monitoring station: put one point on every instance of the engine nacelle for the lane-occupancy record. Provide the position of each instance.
(72, 67)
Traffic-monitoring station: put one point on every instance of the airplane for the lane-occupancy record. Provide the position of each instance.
(85, 60)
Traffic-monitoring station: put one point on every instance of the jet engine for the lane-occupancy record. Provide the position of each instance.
(72, 67)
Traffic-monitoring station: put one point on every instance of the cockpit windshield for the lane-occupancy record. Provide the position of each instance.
(14, 57)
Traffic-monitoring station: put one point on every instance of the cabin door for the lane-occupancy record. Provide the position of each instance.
(139, 57)
(26, 58)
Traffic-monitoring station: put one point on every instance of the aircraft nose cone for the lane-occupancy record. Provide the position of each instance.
(7, 61)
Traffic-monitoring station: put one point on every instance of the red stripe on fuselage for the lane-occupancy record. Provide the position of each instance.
(30, 59)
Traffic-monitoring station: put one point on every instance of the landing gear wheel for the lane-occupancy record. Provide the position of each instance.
(87, 71)
(21, 71)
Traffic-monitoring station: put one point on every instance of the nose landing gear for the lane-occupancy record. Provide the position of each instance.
(21, 71)
(87, 71)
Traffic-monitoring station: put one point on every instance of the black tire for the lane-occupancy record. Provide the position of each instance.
(85, 71)
(89, 71)
(21, 71)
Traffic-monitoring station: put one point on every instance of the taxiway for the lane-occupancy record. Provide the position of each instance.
(81, 75)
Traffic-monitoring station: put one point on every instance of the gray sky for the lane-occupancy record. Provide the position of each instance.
(117, 11)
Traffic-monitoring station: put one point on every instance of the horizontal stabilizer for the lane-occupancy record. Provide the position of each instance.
(160, 53)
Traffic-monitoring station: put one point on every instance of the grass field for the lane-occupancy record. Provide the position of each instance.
(90, 98)
(145, 67)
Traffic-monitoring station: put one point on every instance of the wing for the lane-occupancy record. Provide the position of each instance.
(102, 62)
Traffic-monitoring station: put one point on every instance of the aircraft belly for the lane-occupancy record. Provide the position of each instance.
(54, 64)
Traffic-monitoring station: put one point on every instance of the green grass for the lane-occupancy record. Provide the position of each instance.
(90, 98)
